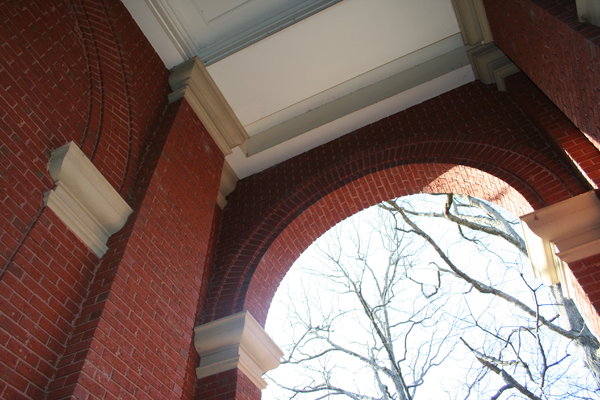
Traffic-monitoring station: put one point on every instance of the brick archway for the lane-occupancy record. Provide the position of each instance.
(371, 189)
(473, 126)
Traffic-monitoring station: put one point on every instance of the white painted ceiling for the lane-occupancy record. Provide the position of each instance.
(299, 73)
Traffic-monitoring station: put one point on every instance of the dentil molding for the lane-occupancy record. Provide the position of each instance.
(83, 199)
(191, 80)
(236, 341)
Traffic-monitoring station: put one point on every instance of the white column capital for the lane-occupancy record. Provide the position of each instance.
(236, 341)
(191, 80)
(572, 225)
(83, 199)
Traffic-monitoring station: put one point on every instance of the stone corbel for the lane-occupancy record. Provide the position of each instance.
(83, 199)
(572, 225)
(545, 263)
(491, 65)
(191, 80)
(236, 341)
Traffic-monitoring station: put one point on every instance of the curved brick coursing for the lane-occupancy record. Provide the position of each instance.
(474, 126)
(81, 71)
(357, 195)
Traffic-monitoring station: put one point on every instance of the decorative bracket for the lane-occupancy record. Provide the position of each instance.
(83, 199)
(572, 225)
(491, 65)
(236, 341)
(192, 81)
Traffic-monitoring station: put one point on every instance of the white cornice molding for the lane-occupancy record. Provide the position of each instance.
(474, 26)
(228, 182)
(192, 81)
(491, 65)
(83, 199)
(236, 341)
(572, 225)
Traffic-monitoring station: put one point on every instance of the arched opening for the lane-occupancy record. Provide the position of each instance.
(340, 279)
(364, 192)
(404, 152)
(497, 155)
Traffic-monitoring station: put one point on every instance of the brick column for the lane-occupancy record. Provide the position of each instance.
(132, 338)
(557, 51)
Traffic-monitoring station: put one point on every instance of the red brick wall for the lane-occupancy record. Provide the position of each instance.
(560, 54)
(227, 385)
(474, 125)
(70, 70)
(137, 325)
(584, 287)
(556, 126)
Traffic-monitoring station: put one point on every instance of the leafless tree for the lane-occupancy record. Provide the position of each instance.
(398, 316)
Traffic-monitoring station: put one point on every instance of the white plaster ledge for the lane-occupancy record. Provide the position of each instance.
(191, 80)
(236, 341)
(83, 199)
(572, 225)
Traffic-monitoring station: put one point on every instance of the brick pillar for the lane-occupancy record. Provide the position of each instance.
(132, 338)
(550, 120)
(560, 54)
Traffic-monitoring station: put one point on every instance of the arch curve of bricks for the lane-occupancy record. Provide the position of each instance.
(479, 143)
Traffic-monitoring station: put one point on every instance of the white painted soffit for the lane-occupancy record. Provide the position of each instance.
(245, 166)
(351, 39)
(378, 84)
(346, 66)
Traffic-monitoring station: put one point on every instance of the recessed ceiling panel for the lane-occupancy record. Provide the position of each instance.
(213, 29)
(213, 9)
